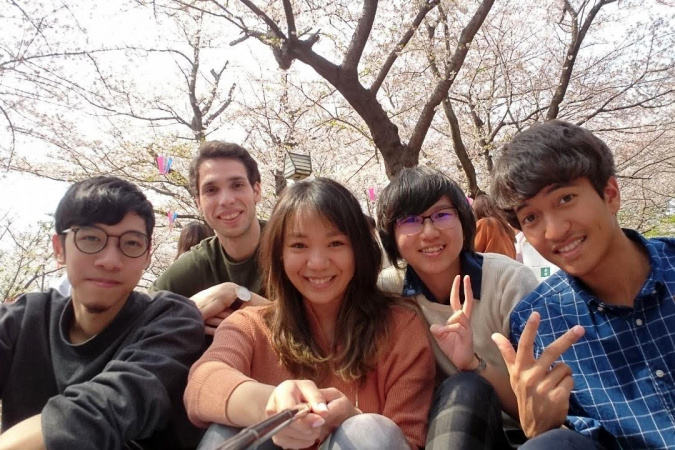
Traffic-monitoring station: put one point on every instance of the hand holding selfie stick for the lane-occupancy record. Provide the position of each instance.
(251, 437)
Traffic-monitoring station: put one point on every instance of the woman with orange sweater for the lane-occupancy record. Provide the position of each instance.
(358, 357)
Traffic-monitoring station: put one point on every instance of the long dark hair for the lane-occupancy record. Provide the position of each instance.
(483, 206)
(192, 234)
(362, 322)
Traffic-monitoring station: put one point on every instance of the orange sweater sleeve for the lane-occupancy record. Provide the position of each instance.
(407, 376)
(491, 238)
(220, 370)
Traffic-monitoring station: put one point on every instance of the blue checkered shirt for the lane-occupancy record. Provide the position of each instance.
(623, 367)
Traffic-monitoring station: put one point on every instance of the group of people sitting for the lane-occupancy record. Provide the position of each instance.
(431, 352)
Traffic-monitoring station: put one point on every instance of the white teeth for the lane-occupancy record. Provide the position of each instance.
(432, 249)
(230, 216)
(570, 246)
(319, 280)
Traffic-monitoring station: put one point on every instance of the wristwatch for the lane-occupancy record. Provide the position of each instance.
(243, 295)
(481, 365)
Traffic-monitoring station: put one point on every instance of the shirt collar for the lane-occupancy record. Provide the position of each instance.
(470, 264)
(656, 275)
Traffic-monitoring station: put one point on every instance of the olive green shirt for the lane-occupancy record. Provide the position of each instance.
(206, 265)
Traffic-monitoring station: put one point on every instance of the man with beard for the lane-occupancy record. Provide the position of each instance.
(106, 366)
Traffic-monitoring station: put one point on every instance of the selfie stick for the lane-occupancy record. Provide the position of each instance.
(251, 437)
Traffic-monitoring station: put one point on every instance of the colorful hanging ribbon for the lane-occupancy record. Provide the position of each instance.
(164, 164)
(172, 216)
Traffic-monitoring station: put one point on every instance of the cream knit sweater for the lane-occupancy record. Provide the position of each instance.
(505, 282)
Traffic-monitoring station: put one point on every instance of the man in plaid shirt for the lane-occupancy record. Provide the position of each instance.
(596, 341)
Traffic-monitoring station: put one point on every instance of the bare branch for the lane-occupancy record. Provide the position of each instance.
(360, 38)
(443, 86)
(578, 35)
(402, 43)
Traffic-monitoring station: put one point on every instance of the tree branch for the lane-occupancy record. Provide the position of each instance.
(443, 86)
(394, 54)
(360, 38)
(573, 48)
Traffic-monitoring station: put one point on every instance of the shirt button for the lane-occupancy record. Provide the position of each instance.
(638, 322)
(660, 373)
(600, 309)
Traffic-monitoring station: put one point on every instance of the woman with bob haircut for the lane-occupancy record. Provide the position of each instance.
(330, 338)
(427, 229)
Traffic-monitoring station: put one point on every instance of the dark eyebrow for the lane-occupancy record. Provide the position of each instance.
(556, 186)
(332, 234)
(546, 191)
(227, 180)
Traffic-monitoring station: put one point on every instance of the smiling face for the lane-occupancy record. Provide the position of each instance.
(318, 260)
(101, 282)
(432, 252)
(571, 225)
(226, 197)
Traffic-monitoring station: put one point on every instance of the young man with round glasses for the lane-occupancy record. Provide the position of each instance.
(107, 366)
(427, 229)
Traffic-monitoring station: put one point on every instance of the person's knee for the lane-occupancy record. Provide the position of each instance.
(466, 389)
(216, 435)
(465, 413)
(368, 431)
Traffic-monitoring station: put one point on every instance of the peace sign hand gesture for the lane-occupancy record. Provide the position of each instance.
(542, 392)
(455, 338)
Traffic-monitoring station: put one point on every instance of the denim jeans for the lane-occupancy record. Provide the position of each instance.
(560, 439)
(361, 432)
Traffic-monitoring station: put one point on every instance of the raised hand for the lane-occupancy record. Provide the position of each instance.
(542, 392)
(455, 338)
(304, 432)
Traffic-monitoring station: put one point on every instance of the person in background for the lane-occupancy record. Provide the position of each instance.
(427, 229)
(360, 358)
(595, 359)
(192, 234)
(220, 272)
(106, 367)
(529, 256)
(493, 232)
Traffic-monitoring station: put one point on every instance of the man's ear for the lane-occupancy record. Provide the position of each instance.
(59, 249)
(258, 191)
(612, 195)
(199, 205)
